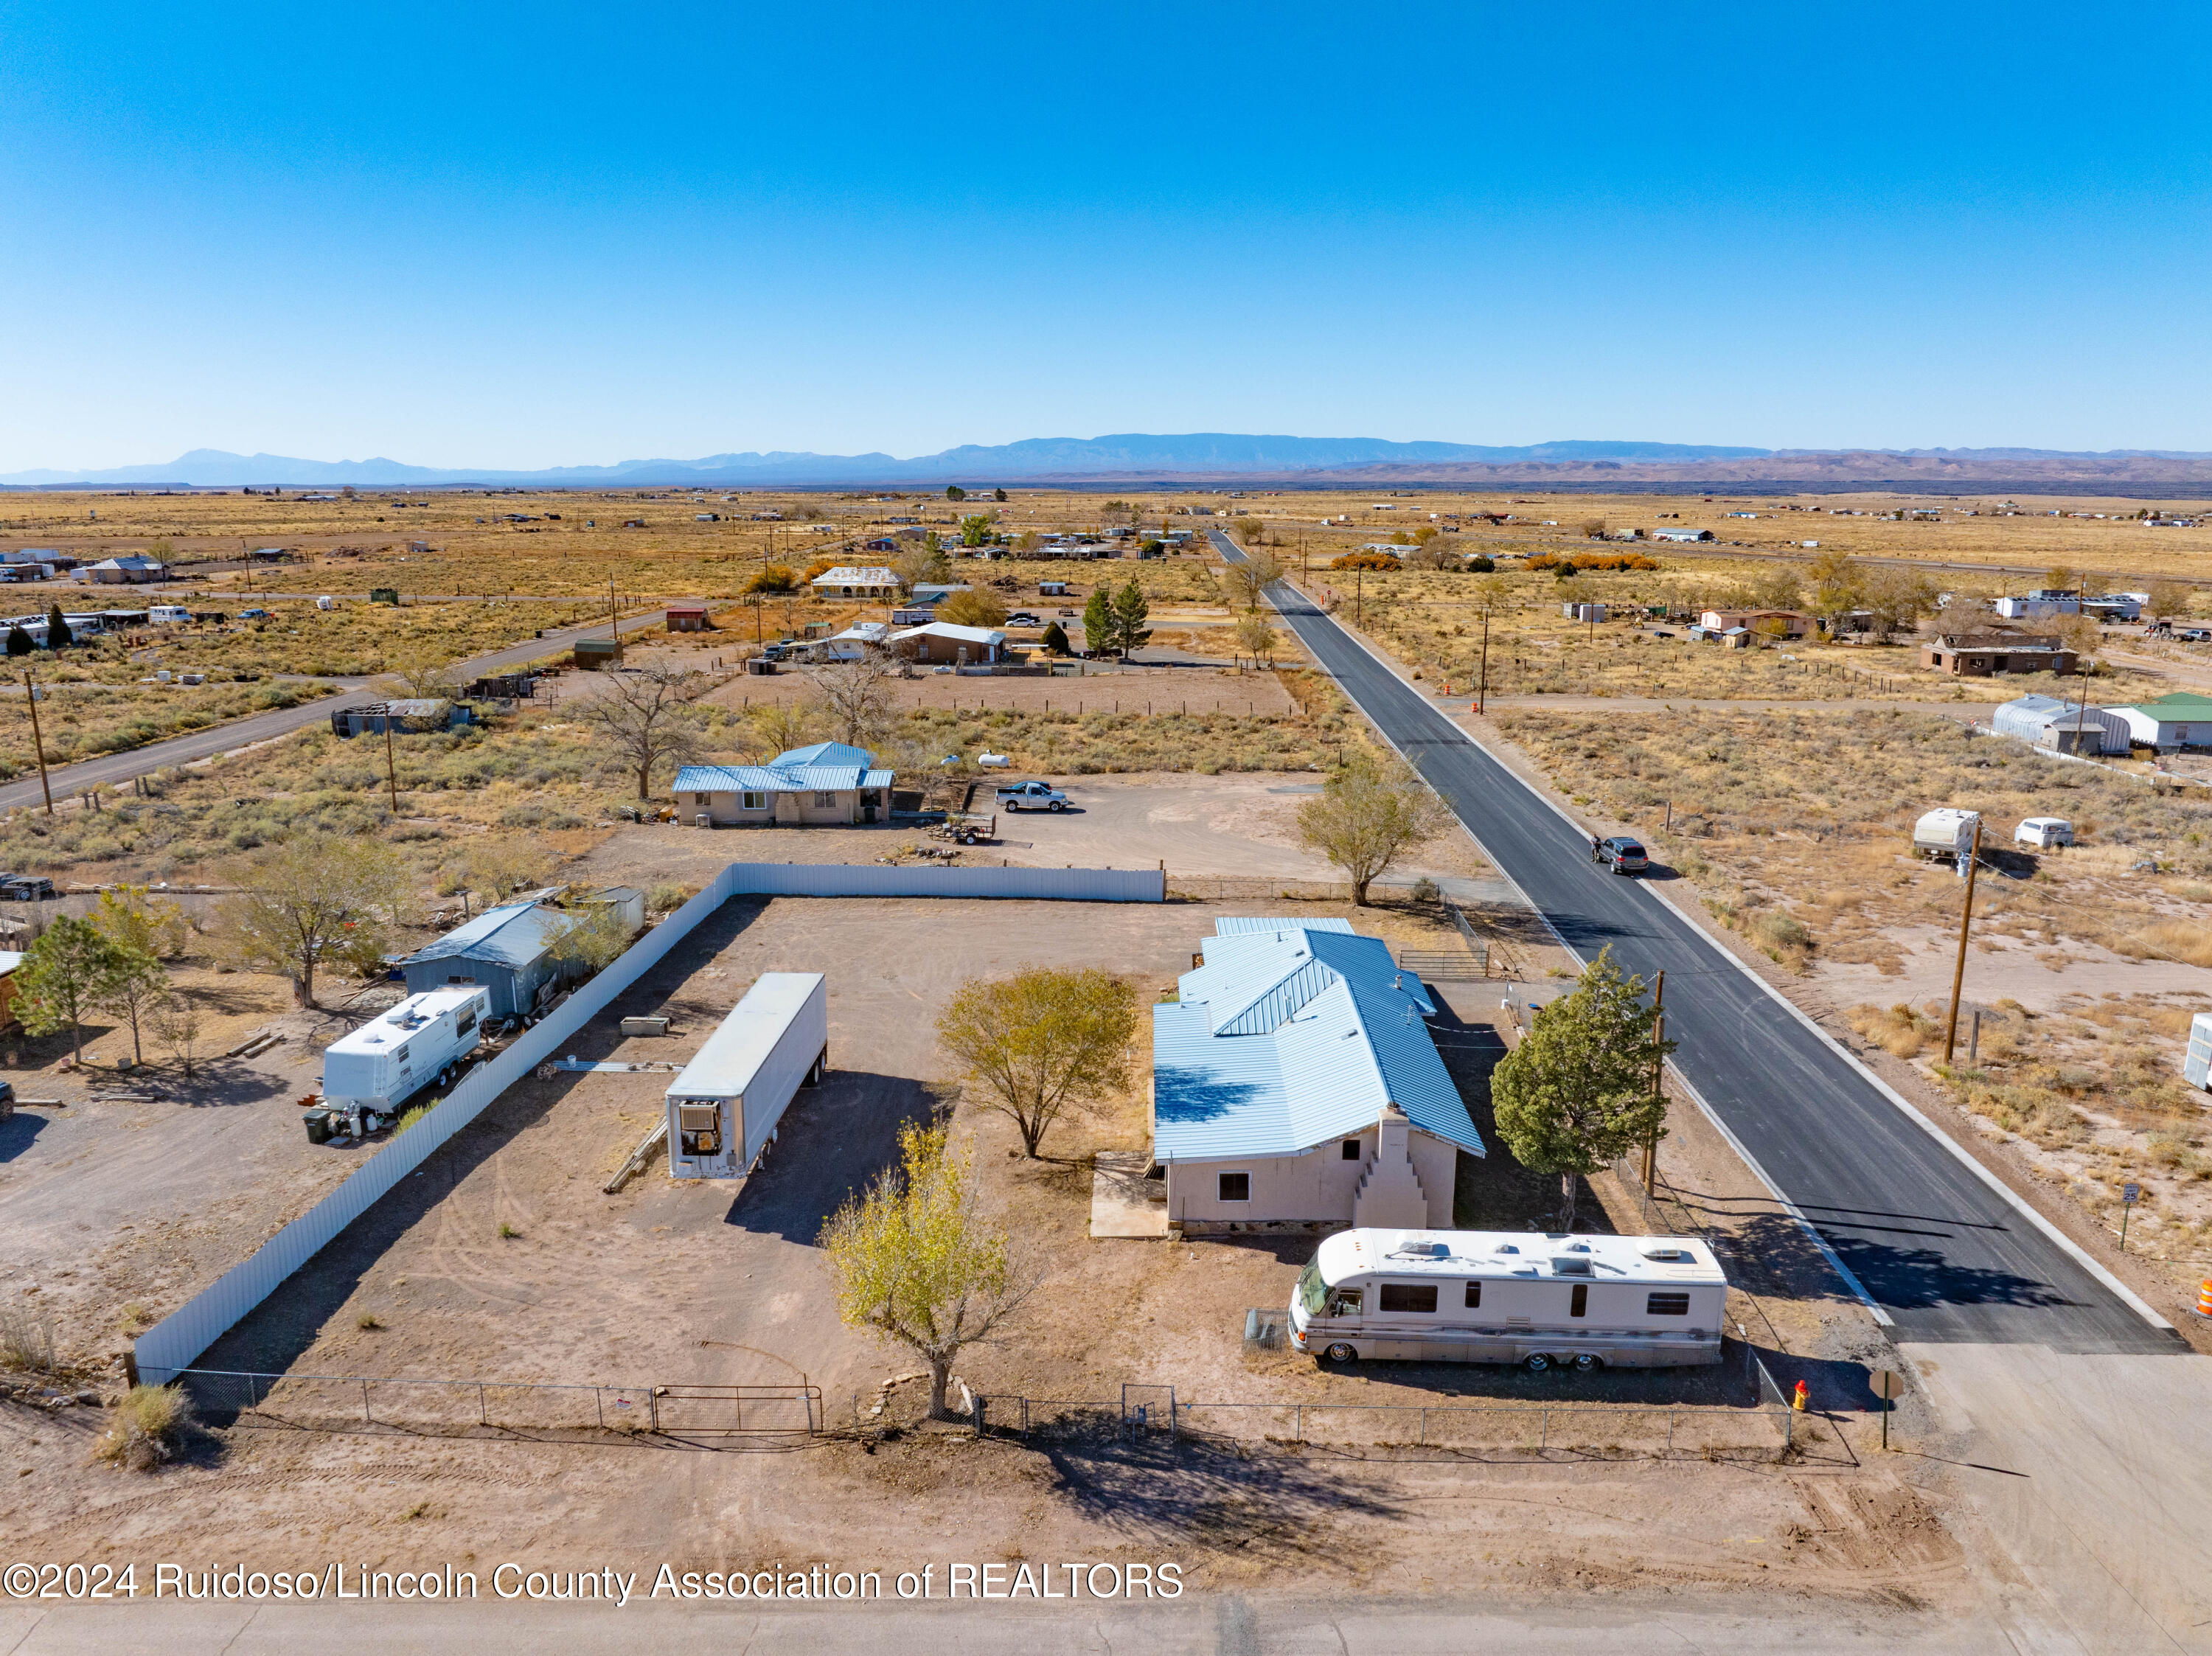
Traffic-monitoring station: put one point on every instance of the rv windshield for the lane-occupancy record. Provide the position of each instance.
(1312, 1293)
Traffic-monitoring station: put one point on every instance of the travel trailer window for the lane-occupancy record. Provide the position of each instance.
(468, 1022)
(1667, 1305)
(1409, 1296)
(1578, 1305)
(1473, 1295)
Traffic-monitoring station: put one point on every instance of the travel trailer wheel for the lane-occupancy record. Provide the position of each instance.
(1339, 1352)
(1537, 1363)
(1588, 1362)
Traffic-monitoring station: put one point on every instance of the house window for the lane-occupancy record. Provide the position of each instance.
(753, 801)
(825, 801)
(1352, 1150)
(1409, 1296)
(703, 798)
(1578, 1301)
(1235, 1187)
(1667, 1305)
(1473, 1295)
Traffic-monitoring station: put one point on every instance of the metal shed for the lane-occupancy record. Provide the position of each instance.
(2039, 719)
(508, 950)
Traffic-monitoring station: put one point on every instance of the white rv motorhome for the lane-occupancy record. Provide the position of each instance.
(371, 1073)
(724, 1107)
(1542, 1301)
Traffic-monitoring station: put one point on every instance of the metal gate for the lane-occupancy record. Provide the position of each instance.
(737, 1411)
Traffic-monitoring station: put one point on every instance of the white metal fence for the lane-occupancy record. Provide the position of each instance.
(172, 1344)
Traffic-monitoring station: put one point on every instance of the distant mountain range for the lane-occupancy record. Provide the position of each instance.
(1137, 457)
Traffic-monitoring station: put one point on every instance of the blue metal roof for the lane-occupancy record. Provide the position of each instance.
(826, 766)
(513, 934)
(1290, 1034)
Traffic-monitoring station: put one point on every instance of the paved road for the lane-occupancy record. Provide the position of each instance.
(1943, 1254)
(69, 780)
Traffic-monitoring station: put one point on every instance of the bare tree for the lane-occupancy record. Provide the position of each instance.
(178, 1024)
(856, 696)
(322, 898)
(648, 718)
(418, 676)
(777, 727)
(1250, 580)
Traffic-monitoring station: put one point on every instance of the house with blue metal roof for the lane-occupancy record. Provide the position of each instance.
(509, 950)
(1295, 1083)
(829, 782)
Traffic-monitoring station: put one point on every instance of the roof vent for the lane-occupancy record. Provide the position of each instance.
(1666, 1253)
(1578, 1247)
(1507, 1248)
(1419, 1250)
(1567, 1264)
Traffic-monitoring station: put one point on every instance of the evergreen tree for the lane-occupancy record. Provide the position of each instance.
(58, 635)
(20, 642)
(1099, 633)
(1130, 614)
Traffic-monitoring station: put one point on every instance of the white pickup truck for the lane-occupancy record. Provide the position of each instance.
(1031, 796)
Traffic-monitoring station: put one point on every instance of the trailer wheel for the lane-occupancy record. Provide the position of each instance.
(1339, 1352)
(1537, 1363)
(1587, 1363)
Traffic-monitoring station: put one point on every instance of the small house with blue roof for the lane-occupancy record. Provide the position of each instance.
(1295, 1084)
(829, 782)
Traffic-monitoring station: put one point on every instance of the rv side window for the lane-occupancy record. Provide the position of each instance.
(1578, 1303)
(1473, 1295)
(468, 1022)
(1667, 1305)
(1409, 1296)
(1348, 1302)
(1235, 1187)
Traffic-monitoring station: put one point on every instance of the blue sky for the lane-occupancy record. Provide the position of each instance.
(523, 236)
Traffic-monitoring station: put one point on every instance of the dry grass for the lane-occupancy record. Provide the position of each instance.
(149, 1422)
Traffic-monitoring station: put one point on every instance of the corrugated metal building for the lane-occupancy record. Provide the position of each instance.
(1295, 1083)
(509, 949)
(2049, 722)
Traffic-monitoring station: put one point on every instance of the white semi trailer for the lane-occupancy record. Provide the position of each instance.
(724, 1108)
(369, 1074)
(1581, 1302)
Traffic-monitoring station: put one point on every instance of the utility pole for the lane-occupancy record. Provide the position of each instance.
(1965, 917)
(38, 743)
(1482, 690)
(1658, 1068)
(1358, 598)
(614, 623)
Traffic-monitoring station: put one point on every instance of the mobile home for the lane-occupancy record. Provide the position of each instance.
(1543, 1302)
(724, 1108)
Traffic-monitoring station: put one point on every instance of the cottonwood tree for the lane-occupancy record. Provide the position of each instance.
(1581, 1089)
(1838, 583)
(647, 718)
(1895, 598)
(421, 676)
(973, 607)
(856, 698)
(1043, 1041)
(592, 937)
(1370, 813)
(1256, 634)
(71, 970)
(2162, 598)
(916, 1258)
(321, 899)
(1775, 588)
(975, 529)
(501, 865)
(777, 727)
(131, 917)
(1250, 580)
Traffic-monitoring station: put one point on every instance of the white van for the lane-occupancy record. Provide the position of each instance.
(167, 615)
(2044, 833)
(1542, 1301)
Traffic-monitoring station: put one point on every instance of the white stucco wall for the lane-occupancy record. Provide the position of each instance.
(1315, 1187)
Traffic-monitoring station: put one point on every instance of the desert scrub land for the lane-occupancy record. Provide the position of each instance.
(1797, 828)
(1431, 621)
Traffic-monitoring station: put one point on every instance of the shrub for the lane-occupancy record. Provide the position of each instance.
(149, 1422)
(1378, 561)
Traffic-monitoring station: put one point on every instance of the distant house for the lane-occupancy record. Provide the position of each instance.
(1681, 534)
(881, 543)
(2036, 606)
(943, 642)
(856, 581)
(1977, 655)
(1772, 623)
(687, 617)
(509, 950)
(2170, 723)
(829, 783)
(1296, 1085)
(268, 555)
(131, 569)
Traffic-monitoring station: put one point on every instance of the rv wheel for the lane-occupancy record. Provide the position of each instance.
(1537, 1363)
(1587, 1363)
(1339, 1352)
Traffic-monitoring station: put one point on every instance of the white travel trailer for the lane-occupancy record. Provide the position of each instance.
(1945, 834)
(371, 1073)
(724, 1108)
(167, 615)
(1581, 1302)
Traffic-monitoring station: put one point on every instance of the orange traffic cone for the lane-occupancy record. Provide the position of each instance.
(2205, 1298)
(1800, 1399)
